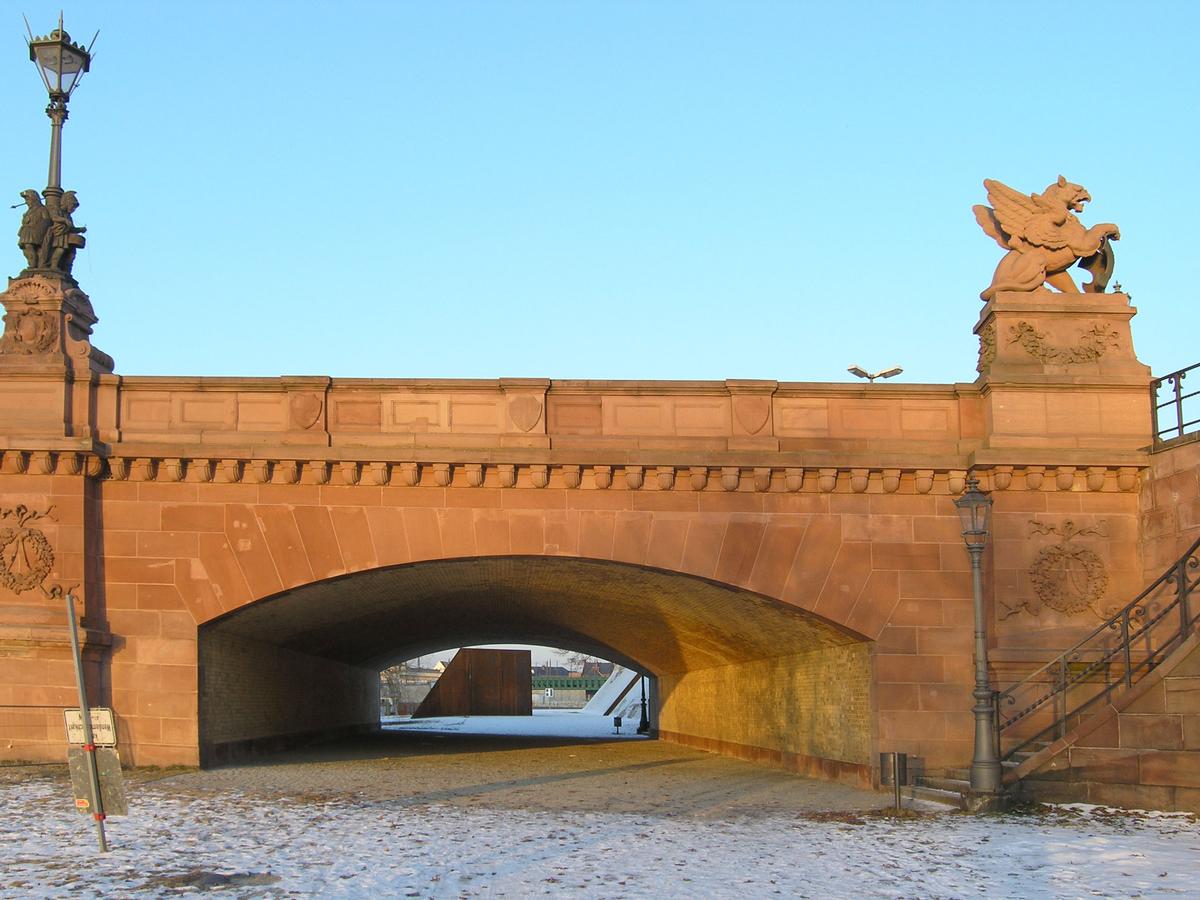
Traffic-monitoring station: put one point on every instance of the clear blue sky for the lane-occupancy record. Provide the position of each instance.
(598, 190)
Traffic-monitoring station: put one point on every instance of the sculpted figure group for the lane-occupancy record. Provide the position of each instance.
(1044, 238)
(48, 235)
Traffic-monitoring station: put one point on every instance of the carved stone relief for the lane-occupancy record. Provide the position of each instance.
(305, 410)
(1066, 577)
(1090, 347)
(525, 412)
(752, 412)
(987, 347)
(26, 556)
(29, 331)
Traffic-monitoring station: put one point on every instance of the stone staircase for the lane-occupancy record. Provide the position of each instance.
(945, 792)
(950, 790)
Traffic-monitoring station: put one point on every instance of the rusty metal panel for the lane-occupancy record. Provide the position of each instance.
(482, 683)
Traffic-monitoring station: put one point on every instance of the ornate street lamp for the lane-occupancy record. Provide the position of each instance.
(974, 512)
(62, 65)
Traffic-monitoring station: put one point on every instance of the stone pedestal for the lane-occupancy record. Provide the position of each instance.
(1059, 371)
(50, 368)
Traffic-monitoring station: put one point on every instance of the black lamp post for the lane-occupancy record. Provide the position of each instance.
(61, 64)
(644, 724)
(974, 512)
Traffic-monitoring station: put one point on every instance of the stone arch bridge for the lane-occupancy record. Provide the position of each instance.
(784, 558)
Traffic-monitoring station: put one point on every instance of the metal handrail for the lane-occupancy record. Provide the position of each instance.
(1181, 425)
(1130, 641)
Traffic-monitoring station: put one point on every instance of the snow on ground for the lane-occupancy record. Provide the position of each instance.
(543, 723)
(173, 845)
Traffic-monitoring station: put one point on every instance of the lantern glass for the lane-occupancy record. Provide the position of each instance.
(974, 513)
(60, 62)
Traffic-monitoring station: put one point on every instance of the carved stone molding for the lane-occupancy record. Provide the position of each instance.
(633, 477)
(1090, 346)
(890, 481)
(1002, 478)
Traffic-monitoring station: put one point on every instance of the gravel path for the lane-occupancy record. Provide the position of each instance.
(492, 772)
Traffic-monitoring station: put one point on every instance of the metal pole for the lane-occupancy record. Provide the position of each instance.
(57, 111)
(896, 778)
(89, 746)
(1154, 407)
(1179, 405)
(985, 767)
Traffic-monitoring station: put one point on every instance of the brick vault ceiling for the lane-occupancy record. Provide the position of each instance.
(659, 622)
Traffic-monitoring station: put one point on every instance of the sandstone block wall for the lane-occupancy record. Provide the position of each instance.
(1170, 504)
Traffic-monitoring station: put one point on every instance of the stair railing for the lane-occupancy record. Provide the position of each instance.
(1170, 415)
(1132, 642)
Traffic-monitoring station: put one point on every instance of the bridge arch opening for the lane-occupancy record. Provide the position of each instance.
(737, 672)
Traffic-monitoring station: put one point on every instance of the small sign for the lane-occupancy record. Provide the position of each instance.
(104, 729)
(112, 786)
(549, 693)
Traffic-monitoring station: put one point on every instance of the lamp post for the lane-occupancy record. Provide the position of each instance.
(62, 65)
(644, 724)
(974, 512)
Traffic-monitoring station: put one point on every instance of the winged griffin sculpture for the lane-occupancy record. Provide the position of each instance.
(1044, 238)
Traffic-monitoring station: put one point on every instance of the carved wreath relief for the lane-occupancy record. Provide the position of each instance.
(1091, 346)
(26, 556)
(1066, 577)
